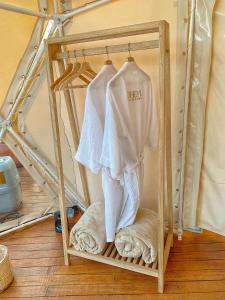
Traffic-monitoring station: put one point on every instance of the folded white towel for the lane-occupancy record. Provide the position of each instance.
(139, 239)
(88, 234)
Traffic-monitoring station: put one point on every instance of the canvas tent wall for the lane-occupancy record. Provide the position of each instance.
(204, 194)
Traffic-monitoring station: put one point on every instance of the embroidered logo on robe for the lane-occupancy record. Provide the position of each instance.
(134, 95)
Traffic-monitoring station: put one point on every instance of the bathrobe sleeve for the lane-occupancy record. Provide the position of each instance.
(89, 149)
(111, 149)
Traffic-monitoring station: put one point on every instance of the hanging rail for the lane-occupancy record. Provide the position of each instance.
(112, 33)
(110, 49)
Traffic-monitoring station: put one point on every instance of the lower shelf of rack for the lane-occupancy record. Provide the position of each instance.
(110, 256)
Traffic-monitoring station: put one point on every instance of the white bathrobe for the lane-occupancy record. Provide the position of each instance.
(130, 124)
(90, 147)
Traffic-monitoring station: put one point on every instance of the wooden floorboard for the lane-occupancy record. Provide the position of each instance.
(196, 270)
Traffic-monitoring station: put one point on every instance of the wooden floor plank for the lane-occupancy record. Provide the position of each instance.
(199, 238)
(195, 286)
(201, 247)
(36, 254)
(102, 289)
(37, 240)
(30, 271)
(196, 275)
(24, 292)
(197, 296)
(109, 289)
(136, 288)
(122, 277)
(197, 265)
(31, 247)
(197, 256)
(34, 234)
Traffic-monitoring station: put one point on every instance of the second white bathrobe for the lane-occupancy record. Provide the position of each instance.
(130, 124)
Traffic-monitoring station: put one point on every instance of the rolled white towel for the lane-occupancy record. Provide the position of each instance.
(88, 234)
(139, 239)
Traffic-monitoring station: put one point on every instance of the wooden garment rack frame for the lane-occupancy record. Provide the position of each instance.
(55, 52)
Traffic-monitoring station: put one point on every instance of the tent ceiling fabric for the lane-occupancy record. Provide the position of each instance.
(11, 55)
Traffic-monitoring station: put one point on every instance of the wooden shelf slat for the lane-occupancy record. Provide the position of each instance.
(113, 253)
(141, 262)
(115, 262)
(109, 249)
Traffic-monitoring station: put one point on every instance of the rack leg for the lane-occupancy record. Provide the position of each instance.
(161, 283)
(164, 148)
(75, 136)
(161, 259)
(58, 155)
(66, 258)
(171, 245)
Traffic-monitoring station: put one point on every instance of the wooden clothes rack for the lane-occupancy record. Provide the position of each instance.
(55, 52)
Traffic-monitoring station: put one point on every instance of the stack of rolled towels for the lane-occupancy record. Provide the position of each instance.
(137, 240)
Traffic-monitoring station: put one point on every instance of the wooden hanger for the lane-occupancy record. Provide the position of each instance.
(87, 70)
(71, 72)
(57, 81)
(75, 67)
(108, 61)
(130, 58)
(89, 73)
(83, 70)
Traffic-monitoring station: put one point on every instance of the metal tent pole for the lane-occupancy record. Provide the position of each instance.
(85, 7)
(70, 194)
(25, 11)
(40, 51)
(185, 119)
(65, 16)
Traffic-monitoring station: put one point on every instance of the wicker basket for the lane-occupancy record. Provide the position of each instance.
(6, 275)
